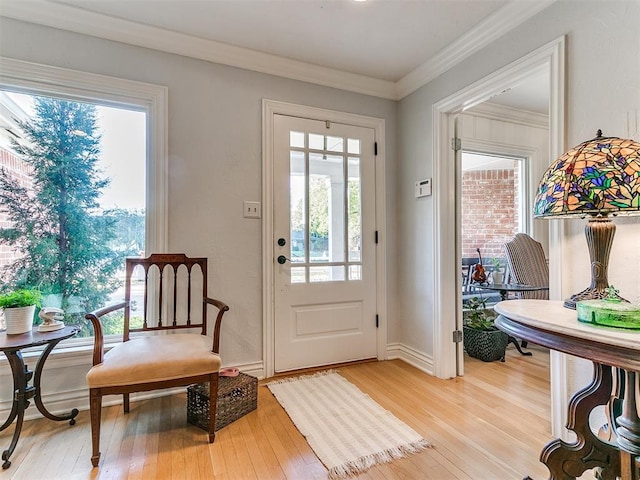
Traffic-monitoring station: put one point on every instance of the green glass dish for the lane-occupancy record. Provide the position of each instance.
(609, 313)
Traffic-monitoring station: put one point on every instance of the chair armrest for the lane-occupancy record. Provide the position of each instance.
(222, 308)
(94, 317)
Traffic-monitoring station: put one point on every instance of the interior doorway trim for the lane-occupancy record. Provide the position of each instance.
(551, 58)
(269, 109)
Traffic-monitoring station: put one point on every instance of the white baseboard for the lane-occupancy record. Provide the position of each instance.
(411, 356)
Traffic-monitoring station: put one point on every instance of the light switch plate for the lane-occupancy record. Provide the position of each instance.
(251, 209)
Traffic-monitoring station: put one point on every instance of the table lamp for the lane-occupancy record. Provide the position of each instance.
(598, 178)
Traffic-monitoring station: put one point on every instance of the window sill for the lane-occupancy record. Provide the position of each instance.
(68, 353)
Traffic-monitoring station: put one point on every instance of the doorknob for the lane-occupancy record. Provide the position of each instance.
(282, 259)
(282, 242)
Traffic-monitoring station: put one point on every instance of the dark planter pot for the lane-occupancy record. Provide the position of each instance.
(487, 346)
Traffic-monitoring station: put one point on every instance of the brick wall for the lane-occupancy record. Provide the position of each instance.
(489, 211)
(14, 166)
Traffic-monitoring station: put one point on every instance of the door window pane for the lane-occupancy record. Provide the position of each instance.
(326, 208)
(355, 272)
(316, 142)
(298, 275)
(355, 211)
(296, 139)
(326, 274)
(298, 215)
(335, 144)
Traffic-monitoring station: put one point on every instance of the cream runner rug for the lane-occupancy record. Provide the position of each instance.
(346, 429)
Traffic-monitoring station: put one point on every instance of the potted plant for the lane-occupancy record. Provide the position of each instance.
(19, 308)
(498, 274)
(481, 339)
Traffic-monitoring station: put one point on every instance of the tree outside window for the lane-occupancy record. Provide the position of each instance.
(64, 242)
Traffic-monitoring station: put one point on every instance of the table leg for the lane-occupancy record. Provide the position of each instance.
(38, 398)
(21, 394)
(567, 461)
(514, 340)
(628, 431)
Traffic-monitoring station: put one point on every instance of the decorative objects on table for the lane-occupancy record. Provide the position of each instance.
(599, 177)
(237, 396)
(609, 312)
(481, 339)
(51, 319)
(346, 429)
(19, 309)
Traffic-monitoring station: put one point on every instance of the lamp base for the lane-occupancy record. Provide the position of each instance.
(588, 294)
(599, 232)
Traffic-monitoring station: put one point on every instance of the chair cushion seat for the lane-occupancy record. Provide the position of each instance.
(155, 358)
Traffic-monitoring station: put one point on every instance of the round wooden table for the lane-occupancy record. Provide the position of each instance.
(550, 324)
(12, 345)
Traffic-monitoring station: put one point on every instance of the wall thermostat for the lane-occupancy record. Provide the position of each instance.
(423, 188)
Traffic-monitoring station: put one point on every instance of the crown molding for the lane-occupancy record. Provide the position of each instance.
(76, 20)
(102, 26)
(484, 33)
(503, 113)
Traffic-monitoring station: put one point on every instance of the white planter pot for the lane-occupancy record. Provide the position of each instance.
(497, 277)
(19, 320)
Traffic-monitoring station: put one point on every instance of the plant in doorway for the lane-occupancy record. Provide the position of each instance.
(482, 340)
(497, 275)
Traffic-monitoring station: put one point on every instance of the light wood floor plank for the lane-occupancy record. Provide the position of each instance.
(490, 424)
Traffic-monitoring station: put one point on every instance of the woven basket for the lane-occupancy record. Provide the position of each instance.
(237, 396)
(487, 346)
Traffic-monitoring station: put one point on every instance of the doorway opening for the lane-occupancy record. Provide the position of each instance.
(448, 355)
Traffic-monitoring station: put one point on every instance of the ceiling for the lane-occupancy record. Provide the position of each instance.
(381, 47)
(379, 39)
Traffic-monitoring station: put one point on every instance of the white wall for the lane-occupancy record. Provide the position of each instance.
(602, 92)
(215, 163)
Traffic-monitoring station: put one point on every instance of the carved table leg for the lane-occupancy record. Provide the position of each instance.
(567, 461)
(628, 432)
(21, 394)
(38, 396)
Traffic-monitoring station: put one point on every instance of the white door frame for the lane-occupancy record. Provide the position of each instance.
(549, 57)
(269, 109)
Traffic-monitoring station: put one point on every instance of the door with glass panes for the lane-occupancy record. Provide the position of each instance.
(324, 243)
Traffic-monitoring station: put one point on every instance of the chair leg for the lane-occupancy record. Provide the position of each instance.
(213, 397)
(125, 402)
(95, 410)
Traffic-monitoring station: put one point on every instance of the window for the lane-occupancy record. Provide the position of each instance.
(122, 128)
(494, 202)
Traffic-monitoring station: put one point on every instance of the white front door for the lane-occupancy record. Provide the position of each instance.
(324, 243)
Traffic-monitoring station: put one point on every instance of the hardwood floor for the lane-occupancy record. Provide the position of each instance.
(489, 425)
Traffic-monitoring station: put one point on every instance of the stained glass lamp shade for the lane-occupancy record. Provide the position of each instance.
(598, 178)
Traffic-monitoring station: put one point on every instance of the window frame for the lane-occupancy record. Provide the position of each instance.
(39, 79)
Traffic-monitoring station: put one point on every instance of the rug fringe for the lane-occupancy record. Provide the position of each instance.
(301, 377)
(363, 464)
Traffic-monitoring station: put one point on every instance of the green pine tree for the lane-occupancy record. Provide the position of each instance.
(60, 234)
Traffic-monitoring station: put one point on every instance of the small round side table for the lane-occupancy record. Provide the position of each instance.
(12, 345)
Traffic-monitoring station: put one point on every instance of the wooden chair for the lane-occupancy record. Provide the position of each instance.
(528, 265)
(157, 350)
